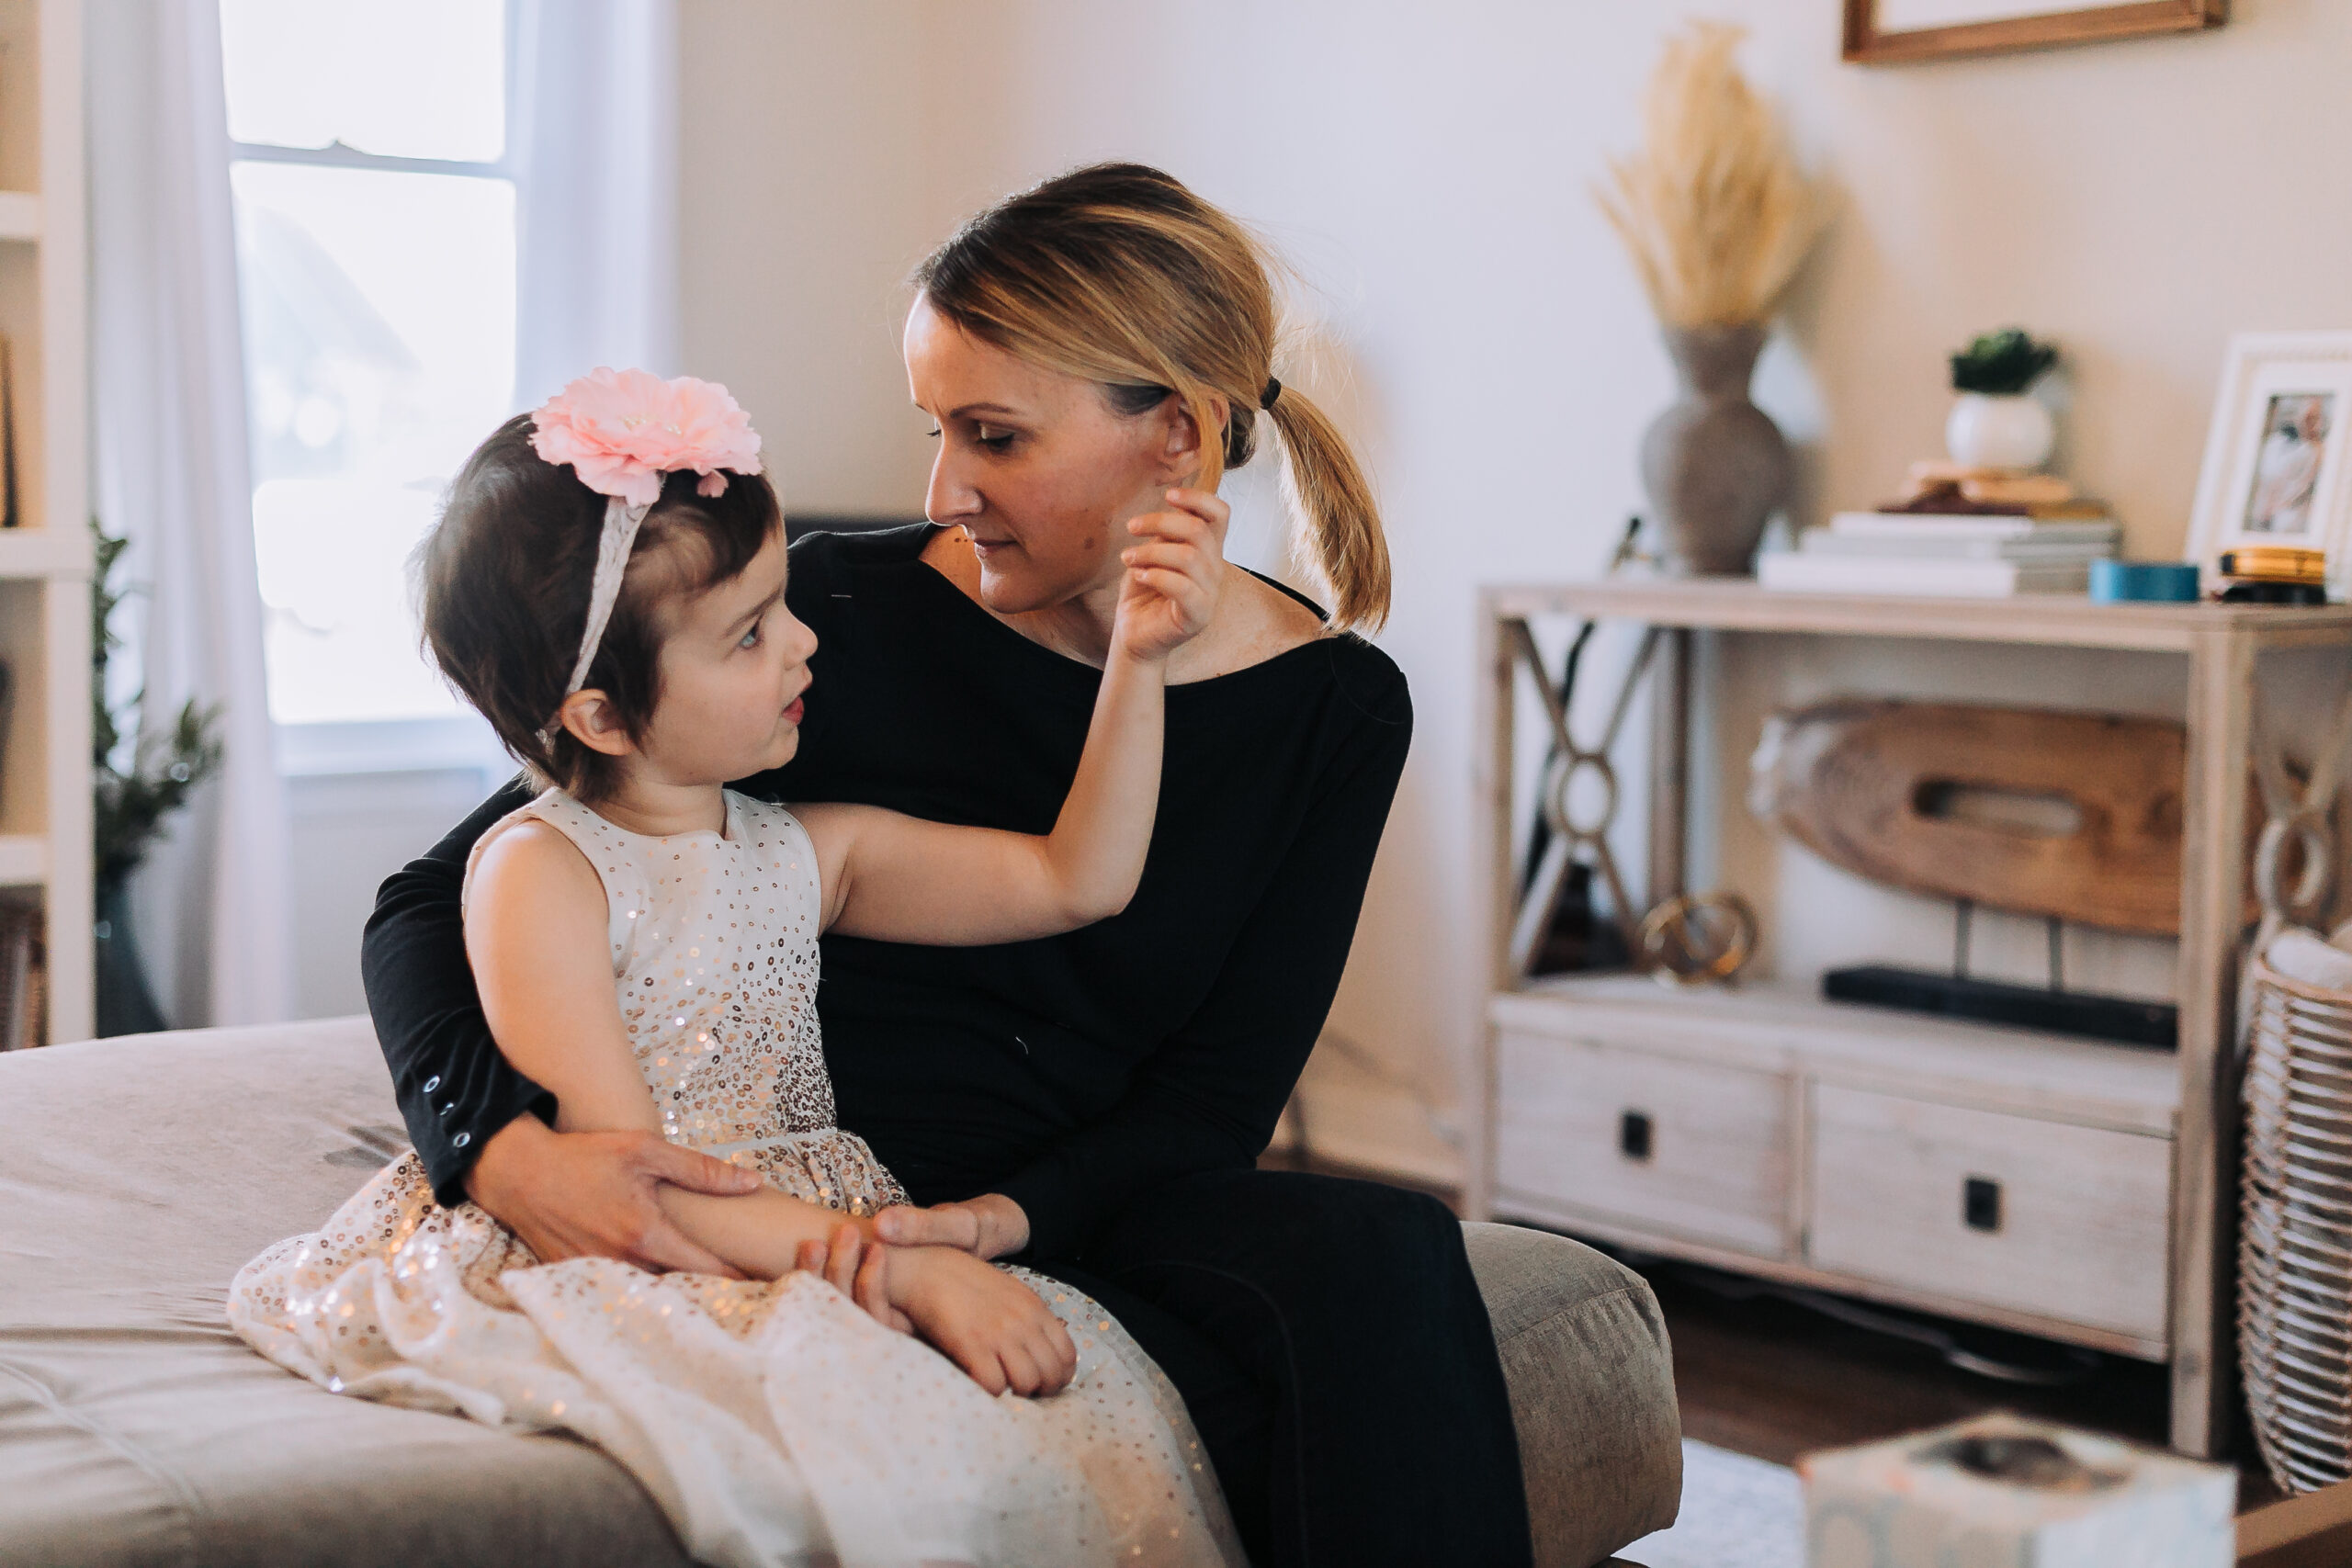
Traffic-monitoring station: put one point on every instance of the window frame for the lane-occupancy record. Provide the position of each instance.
(510, 165)
(325, 747)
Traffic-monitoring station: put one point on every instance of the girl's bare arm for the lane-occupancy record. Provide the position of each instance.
(535, 936)
(903, 879)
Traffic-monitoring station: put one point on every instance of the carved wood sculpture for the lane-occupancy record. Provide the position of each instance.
(2077, 816)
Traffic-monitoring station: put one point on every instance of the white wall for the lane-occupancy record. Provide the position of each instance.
(1429, 167)
(801, 210)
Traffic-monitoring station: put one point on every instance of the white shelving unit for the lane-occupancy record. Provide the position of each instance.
(2066, 1187)
(45, 562)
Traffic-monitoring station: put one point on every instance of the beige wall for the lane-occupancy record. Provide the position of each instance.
(1428, 166)
(801, 211)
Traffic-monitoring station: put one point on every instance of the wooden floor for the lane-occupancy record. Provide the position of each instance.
(1770, 1378)
(1764, 1376)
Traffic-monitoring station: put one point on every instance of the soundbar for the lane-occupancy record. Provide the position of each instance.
(2125, 1021)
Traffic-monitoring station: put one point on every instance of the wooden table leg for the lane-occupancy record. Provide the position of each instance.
(1669, 766)
(1492, 788)
(2212, 913)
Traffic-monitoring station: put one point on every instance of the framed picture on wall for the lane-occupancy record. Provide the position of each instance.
(1895, 31)
(2277, 463)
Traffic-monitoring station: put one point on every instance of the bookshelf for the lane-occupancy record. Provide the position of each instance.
(45, 561)
(1767, 1132)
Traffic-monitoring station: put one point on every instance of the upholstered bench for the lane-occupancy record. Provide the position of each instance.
(136, 1175)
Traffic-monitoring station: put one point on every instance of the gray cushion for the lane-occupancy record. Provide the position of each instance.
(1591, 1391)
(137, 1175)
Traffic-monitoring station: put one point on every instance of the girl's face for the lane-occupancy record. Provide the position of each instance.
(734, 663)
(1034, 466)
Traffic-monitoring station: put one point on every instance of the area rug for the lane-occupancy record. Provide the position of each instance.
(1736, 1513)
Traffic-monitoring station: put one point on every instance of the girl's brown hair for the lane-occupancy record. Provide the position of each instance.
(504, 577)
(1119, 274)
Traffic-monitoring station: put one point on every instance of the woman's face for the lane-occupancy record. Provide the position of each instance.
(1034, 466)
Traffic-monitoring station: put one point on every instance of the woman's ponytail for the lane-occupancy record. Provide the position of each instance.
(1335, 513)
(1118, 274)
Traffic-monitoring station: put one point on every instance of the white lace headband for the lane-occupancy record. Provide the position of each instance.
(622, 520)
(622, 430)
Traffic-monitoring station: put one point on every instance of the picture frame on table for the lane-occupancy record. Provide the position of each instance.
(2278, 468)
(1897, 32)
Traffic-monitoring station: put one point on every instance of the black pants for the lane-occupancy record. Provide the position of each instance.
(1333, 1351)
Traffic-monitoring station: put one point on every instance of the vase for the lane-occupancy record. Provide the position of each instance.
(1999, 430)
(125, 1004)
(1714, 464)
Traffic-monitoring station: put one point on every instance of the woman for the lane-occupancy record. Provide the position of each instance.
(1092, 1104)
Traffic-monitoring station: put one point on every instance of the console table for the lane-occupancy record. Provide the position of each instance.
(2057, 1186)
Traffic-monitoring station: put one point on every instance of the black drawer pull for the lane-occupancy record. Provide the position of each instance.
(1633, 1134)
(1980, 1203)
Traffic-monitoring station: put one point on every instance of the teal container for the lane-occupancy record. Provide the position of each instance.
(2143, 581)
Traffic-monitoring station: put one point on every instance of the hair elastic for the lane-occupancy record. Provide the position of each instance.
(1273, 389)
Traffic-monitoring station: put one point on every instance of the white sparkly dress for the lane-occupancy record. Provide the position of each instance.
(773, 1423)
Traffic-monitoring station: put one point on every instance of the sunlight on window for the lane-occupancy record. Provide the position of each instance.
(416, 79)
(380, 328)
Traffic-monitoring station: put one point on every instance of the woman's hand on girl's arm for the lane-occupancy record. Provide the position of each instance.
(990, 1225)
(597, 1194)
(902, 879)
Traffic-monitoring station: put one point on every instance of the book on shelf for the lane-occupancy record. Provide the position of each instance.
(1943, 546)
(1975, 525)
(1812, 571)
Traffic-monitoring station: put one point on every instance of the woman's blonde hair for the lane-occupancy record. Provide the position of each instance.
(1118, 274)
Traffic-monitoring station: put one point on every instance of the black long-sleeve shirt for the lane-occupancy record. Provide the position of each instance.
(1069, 1073)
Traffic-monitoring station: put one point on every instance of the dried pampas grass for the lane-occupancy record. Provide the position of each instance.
(1714, 209)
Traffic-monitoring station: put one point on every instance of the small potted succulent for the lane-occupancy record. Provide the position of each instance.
(1998, 423)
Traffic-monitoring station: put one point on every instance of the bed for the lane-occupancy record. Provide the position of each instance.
(137, 1174)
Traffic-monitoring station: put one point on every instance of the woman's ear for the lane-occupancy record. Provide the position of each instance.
(596, 723)
(1180, 457)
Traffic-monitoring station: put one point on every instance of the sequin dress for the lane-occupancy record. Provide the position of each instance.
(775, 1422)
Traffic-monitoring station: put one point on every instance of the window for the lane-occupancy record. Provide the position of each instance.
(376, 183)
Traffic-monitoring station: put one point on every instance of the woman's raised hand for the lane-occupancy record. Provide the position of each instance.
(1174, 572)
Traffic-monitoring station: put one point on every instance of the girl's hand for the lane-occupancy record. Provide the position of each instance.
(857, 1270)
(983, 1319)
(1173, 576)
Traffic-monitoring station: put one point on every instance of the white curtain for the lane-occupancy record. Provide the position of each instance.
(168, 402)
(597, 249)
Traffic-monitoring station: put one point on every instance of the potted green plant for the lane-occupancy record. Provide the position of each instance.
(1997, 422)
(136, 782)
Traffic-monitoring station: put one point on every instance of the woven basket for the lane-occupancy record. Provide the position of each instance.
(2295, 1246)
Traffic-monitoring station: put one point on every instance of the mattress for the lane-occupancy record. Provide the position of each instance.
(137, 1175)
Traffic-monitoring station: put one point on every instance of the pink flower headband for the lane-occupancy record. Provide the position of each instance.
(623, 430)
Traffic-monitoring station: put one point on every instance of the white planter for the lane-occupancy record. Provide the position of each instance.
(2007, 429)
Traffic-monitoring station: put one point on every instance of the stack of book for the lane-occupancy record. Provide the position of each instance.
(1959, 533)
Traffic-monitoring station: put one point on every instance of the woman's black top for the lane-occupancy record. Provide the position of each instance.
(1071, 1073)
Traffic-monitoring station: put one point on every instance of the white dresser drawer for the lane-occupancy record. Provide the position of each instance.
(2042, 1217)
(1696, 1150)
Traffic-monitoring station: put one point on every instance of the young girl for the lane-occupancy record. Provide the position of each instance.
(645, 940)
